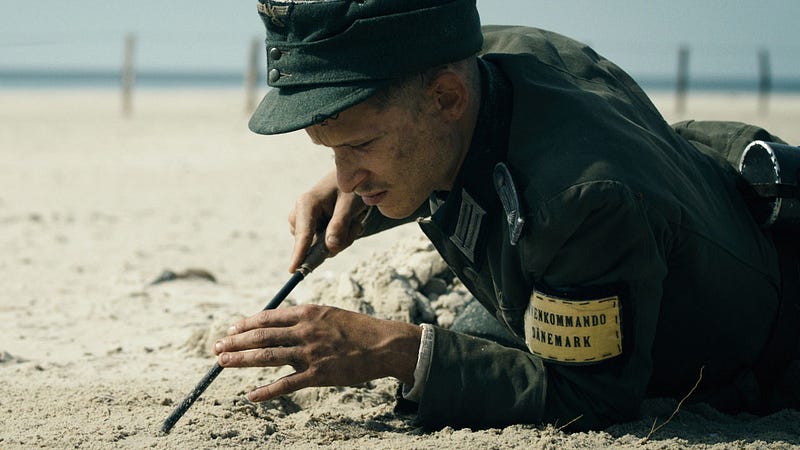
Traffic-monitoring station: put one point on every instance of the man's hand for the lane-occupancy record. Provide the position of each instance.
(325, 204)
(326, 347)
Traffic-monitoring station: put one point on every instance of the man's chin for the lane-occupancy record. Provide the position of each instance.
(395, 213)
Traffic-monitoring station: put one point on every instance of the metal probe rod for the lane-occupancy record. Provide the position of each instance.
(314, 258)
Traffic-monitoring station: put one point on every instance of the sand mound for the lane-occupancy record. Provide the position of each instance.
(409, 283)
(203, 338)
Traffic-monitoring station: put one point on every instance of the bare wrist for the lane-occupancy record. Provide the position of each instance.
(402, 350)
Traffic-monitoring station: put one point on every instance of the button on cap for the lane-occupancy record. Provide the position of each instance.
(275, 54)
(274, 75)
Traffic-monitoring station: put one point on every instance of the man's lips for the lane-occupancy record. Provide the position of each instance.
(373, 199)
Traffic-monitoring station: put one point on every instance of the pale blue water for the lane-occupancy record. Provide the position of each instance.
(59, 79)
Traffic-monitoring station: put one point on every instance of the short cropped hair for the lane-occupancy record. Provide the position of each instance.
(407, 89)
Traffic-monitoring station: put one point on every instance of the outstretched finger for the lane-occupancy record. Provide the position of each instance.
(282, 386)
(263, 357)
(270, 318)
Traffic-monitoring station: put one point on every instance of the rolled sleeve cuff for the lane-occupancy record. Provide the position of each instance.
(414, 393)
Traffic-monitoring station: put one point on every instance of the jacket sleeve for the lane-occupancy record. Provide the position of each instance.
(725, 140)
(590, 236)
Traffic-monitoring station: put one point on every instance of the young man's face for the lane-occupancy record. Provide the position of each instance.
(393, 157)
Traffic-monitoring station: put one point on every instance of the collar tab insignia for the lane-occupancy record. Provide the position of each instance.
(504, 185)
(468, 227)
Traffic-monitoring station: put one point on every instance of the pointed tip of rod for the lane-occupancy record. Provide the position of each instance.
(165, 429)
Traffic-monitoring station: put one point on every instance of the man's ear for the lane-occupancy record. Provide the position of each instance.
(450, 94)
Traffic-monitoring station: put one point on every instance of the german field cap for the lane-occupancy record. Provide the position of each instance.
(324, 56)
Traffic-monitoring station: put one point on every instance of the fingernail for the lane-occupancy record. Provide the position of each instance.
(224, 358)
(232, 329)
(218, 346)
(333, 240)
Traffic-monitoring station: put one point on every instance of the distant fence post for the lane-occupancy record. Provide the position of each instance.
(128, 74)
(682, 82)
(764, 80)
(251, 76)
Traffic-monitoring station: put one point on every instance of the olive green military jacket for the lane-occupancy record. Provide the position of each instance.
(635, 263)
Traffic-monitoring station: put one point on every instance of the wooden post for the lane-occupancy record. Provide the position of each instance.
(128, 74)
(251, 76)
(764, 81)
(682, 82)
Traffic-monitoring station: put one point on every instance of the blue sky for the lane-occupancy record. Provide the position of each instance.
(213, 35)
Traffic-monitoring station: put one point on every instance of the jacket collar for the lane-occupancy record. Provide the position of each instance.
(489, 144)
(488, 147)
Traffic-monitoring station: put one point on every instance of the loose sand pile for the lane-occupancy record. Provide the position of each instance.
(410, 283)
(95, 207)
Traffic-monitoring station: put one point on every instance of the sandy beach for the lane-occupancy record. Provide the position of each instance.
(95, 206)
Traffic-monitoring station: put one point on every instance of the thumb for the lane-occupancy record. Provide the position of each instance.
(345, 223)
(337, 234)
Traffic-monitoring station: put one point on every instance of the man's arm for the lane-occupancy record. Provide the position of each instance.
(590, 236)
(326, 347)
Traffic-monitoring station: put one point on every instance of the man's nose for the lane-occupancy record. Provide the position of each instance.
(349, 173)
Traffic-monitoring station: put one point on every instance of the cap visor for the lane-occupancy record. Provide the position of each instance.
(292, 108)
